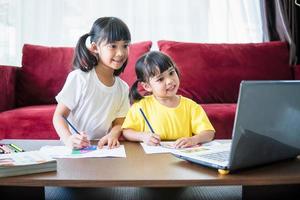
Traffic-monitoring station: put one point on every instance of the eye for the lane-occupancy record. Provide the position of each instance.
(160, 79)
(126, 46)
(111, 46)
(172, 72)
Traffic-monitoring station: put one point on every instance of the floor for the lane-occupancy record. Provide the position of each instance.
(188, 193)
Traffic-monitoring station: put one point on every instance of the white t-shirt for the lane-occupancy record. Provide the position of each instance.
(93, 105)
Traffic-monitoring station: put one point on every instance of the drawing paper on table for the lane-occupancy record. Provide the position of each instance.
(168, 147)
(66, 152)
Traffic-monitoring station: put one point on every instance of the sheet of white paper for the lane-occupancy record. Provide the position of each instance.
(155, 149)
(212, 143)
(65, 152)
(167, 147)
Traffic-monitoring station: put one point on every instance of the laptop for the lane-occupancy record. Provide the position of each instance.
(266, 128)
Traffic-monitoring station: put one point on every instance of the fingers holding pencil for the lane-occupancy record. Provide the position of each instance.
(78, 141)
(151, 139)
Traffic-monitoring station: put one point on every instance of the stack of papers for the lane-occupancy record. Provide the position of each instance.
(25, 163)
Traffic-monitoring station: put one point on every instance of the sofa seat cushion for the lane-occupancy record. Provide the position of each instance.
(211, 73)
(32, 122)
(222, 118)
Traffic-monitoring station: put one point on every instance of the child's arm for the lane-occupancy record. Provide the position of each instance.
(146, 137)
(204, 136)
(111, 139)
(62, 129)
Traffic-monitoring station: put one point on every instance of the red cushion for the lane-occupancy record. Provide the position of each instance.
(135, 51)
(44, 71)
(297, 72)
(211, 73)
(222, 118)
(7, 87)
(32, 122)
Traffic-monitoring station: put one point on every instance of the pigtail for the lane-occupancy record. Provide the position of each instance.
(134, 94)
(84, 59)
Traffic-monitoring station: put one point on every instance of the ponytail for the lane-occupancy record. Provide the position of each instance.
(134, 94)
(83, 58)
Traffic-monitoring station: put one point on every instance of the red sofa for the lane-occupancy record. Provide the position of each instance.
(27, 98)
(210, 75)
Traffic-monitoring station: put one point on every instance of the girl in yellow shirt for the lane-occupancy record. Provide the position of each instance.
(171, 116)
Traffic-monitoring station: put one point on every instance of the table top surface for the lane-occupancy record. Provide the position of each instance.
(147, 170)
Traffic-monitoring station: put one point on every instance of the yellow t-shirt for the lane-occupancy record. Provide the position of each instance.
(186, 119)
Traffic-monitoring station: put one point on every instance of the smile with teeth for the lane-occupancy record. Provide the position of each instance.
(118, 61)
(171, 88)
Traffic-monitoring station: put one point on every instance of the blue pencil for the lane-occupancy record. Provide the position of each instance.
(71, 125)
(145, 118)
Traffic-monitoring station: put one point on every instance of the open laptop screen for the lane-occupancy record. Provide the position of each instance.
(267, 123)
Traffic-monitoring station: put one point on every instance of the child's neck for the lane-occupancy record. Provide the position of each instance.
(171, 102)
(106, 76)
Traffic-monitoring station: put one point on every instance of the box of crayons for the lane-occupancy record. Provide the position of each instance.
(10, 148)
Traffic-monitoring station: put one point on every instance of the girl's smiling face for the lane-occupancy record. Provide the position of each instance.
(163, 85)
(112, 55)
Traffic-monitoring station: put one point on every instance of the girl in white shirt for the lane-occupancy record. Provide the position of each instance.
(94, 99)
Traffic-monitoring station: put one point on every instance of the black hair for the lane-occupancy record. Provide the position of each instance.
(147, 66)
(104, 29)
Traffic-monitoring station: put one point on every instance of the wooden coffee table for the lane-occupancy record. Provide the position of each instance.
(150, 170)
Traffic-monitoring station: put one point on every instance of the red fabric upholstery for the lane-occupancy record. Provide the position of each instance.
(297, 72)
(43, 73)
(222, 118)
(7, 87)
(31, 122)
(211, 73)
(37, 82)
(135, 51)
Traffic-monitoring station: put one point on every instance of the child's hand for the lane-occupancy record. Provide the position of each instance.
(185, 142)
(78, 141)
(151, 139)
(111, 141)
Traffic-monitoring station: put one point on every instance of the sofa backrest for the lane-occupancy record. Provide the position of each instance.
(43, 72)
(211, 73)
(45, 69)
(135, 51)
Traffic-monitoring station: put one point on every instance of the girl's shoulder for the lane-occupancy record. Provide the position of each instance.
(144, 102)
(78, 78)
(147, 99)
(122, 83)
(189, 101)
(77, 73)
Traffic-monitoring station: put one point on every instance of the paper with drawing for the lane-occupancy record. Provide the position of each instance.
(168, 147)
(66, 152)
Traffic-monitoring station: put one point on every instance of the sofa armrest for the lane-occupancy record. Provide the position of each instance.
(297, 72)
(7, 87)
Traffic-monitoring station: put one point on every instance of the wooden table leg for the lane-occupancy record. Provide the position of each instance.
(271, 192)
(18, 192)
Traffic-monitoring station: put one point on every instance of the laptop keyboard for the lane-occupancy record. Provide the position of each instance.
(221, 156)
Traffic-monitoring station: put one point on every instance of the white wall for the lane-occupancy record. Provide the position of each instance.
(61, 22)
